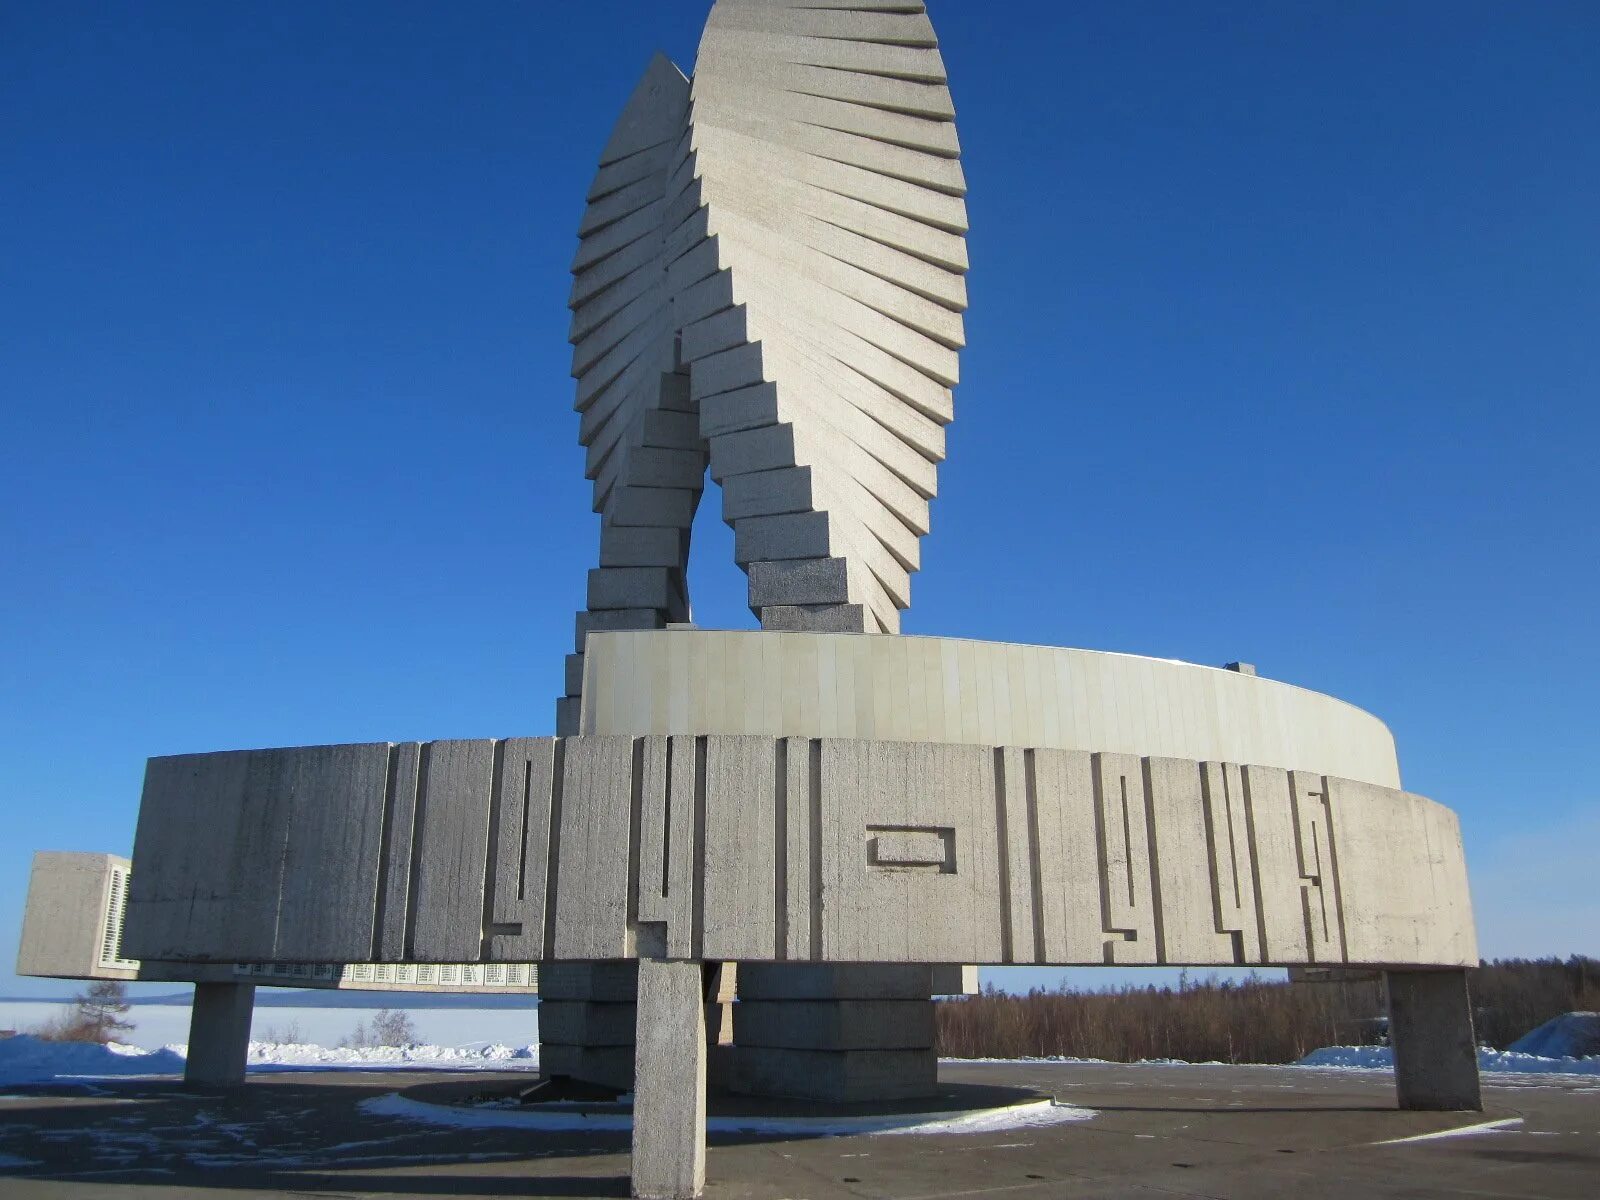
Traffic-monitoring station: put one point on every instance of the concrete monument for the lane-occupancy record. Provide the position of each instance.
(769, 286)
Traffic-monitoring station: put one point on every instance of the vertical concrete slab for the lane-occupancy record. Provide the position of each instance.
(394, 884)
(337, 794)
(219, 1034)
(1021, 924)
(1070, 920)
(451, 856)
(1319, 882)
(906, 832)
(1435, 1052)
(595, 854)
(190, 876)
(667, 875)
(1185, 865)
(1401, 876)
(1132, 933)
(522, 849)
(1275, 857)
(669, 1104)
(801, 811)
(740, 834)
(1233, 878)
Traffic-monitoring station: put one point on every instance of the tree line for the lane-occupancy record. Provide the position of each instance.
(1250, 1021)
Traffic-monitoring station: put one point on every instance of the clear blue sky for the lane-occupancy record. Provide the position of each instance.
(1283, 347)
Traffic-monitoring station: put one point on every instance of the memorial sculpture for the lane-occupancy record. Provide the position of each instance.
(769, 286)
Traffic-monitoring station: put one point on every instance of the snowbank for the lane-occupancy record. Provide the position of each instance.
(1382, 1058)
(1033, 1114)
(1571, 1035)
(457, 1058)
(30, 1060)
(26, 1059)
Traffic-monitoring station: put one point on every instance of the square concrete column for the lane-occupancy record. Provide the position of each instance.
(669, 1089)
(1435, 1052)
(219, 1034)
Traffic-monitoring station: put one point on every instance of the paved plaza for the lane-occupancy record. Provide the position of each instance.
(1158, 1131)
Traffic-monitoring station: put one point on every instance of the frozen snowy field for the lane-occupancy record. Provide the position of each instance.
(157, 1025)
(27, 1060)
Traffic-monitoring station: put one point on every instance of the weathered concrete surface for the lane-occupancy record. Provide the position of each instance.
(724, 848)
(833, 1024)
(219, 1034)
(669, 1103)
(1241, 1132)
(835, 1076)
(71, 926)
(841, 1033)
(1435, 1052)
(922, 689)
(587, 1019)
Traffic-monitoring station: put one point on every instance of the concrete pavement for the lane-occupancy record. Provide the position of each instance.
(1160, 1131)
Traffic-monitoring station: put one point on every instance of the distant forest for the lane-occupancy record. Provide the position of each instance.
(1255, 1021)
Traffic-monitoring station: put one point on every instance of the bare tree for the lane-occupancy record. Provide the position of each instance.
(284, 1035)
(102, 1009)
(392, 1027)
(98, 1014)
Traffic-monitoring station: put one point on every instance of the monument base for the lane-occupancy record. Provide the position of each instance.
(588, 1016)
(846, 1034)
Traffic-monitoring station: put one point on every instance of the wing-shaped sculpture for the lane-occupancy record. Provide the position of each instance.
(771, 280)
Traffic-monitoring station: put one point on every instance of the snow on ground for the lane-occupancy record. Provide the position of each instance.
(1498, 1061)
(29, 1060)
(158, 1025)
(270, 1056)
(1571, 1035)
(1030, 1115)
(1067, 1060)
(1503, 1125)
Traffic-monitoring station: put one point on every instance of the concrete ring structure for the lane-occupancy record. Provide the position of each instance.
(914, 689)
(789, 847)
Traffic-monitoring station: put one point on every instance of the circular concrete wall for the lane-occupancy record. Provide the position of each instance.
(959, 691)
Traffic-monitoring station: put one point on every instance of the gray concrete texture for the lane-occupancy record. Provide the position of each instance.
(761, 849)
(669, 1103)
(1435, 1052)
(71, 921)
(219, 1034)
(940, 689)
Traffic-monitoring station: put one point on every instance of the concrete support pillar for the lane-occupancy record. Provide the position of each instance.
(669, 1093)
(219, 1034)
(846, 1034)
(1435, 1052)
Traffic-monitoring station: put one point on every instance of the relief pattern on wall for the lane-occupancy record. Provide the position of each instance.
(753, 848)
